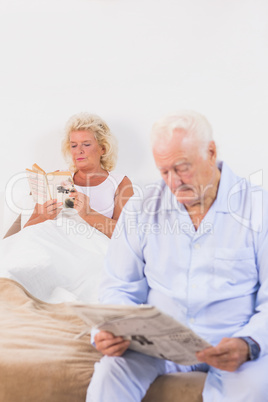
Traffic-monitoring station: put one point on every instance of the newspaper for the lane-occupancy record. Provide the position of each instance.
(149, 330)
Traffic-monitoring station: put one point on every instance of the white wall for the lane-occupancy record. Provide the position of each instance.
(131, 61)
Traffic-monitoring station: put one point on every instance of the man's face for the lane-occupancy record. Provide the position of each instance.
(188, 175)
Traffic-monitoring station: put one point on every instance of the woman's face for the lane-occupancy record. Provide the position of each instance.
(85, 150)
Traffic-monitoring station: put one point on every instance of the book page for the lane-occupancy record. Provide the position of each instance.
(61, 187)
(55, 185)
(37, 169)
(38, 186)
(149, 330)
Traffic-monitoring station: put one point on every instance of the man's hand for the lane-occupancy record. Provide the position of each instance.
(110, 345)
(228, 355)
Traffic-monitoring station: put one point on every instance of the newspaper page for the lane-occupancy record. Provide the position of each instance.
(149, 330)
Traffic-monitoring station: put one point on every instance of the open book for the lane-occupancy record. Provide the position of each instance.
(150, 331)
(48, 186)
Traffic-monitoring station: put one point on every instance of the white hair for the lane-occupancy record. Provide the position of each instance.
(196, 127)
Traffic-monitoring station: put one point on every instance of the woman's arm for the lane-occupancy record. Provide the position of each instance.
(122, 195)
(14, 228)
(97, 220)
(43, 212)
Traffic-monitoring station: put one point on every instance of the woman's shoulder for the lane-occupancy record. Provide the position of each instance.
(117, 177)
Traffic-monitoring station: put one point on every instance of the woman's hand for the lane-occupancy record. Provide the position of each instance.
(43, 212)
(81, 203)
(97, 220)
(48, 210)
(92, 217)
(110, 345)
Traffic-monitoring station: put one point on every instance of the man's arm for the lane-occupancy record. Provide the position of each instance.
(256, 327)
(230, 353)
(124, 281)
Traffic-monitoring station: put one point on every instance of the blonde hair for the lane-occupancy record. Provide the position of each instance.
(86, 121)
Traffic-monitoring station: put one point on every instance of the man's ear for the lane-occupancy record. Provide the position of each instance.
(212, 152)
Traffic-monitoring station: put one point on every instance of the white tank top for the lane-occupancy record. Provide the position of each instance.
(102, 196)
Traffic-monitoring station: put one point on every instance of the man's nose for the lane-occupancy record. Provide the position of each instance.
(174, 180)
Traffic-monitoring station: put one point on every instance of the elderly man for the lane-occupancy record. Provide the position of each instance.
(195, 246)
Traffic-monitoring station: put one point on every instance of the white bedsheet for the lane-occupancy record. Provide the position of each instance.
(56, 261)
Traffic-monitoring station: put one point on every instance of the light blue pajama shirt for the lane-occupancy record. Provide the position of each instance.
(214, 280)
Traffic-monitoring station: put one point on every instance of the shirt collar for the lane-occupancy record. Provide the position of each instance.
(229, 192)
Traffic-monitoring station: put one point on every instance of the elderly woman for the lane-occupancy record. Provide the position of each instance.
(100, 194)
(60, 253)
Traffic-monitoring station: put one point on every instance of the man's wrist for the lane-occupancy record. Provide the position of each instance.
(253, 347)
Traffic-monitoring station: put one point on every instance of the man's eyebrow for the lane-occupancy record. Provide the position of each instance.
(162, 167)
(180, 162)
(175, 164)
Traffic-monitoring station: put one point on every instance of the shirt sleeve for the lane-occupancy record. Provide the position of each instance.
(94, 332)
(257, 326)
(124, 281)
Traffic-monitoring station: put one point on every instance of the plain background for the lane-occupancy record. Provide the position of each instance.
(131, 61)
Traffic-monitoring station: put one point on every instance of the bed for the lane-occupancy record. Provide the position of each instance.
(42, 359)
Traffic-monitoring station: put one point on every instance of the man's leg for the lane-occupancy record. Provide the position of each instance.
(247, 384)
(126, 378)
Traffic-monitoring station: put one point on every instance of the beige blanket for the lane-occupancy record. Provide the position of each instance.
(40, 358)
(42, 361)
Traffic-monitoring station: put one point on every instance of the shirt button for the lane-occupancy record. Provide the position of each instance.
(192, 320)
(197, 246)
